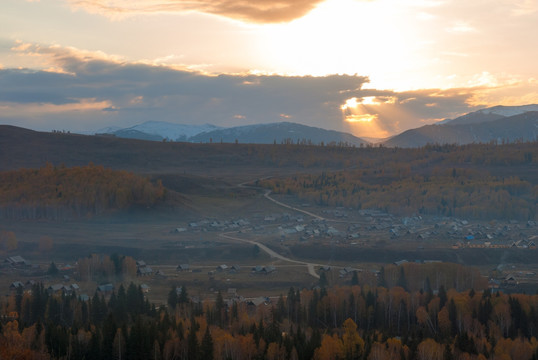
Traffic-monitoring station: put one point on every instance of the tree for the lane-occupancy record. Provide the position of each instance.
(207, 345)
(402, 281)
(354, 278)
(353, 343)
(53, 270)
(429, 349)
(331, 348)
(322, 279)
(381, 282)
(192, 342)
(172, 298)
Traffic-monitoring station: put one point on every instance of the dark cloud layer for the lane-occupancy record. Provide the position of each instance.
(264, 11)
(88, 92)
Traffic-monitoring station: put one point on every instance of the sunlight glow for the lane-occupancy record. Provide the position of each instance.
(361, 118)
(350, 104)
(344, 37)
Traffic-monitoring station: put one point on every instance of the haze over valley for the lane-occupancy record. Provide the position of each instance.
(317, 179)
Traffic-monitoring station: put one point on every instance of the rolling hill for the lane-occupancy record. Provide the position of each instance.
(478, 127)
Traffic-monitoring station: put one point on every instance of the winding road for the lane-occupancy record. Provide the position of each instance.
(272, 253)
(268, 192)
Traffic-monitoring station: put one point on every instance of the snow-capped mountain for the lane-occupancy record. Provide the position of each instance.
(499, 128)
(509, 110)
(170, 131)
(280, 132)
(255, 134)
(490, 114)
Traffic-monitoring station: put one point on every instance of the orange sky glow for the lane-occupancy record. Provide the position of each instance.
(415, 62)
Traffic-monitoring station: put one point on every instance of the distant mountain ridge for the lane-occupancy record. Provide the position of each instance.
(256, 134)
(490, 114)
(498, 123)
(158, 130)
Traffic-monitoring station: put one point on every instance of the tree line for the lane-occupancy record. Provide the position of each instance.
(349, 322)
(399, 189)
(61, 192)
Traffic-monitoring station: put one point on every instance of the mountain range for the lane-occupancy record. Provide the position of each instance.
(498, 124)
(281, 132)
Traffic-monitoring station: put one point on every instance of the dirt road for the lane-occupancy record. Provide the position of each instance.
(273, 254)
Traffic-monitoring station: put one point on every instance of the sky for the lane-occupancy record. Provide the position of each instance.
(373, 68)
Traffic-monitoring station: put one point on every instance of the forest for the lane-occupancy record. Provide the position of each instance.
(59, 192)
(348, 322)
(477, 181)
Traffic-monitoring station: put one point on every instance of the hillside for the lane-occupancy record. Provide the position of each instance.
(491, 114)
(22, 148)
(497, 129)
(477, 181)
(60, 192)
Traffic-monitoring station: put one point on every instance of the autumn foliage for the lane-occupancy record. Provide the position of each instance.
(60, 192)
(357, 322)
(474, 181)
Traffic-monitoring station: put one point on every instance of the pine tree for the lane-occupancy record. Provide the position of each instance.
(355, 279)
(172, 298)
(207, 345)
(402, 281)
(381, 282)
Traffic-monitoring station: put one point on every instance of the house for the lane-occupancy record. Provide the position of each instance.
(105, 288)
(15, 285)
(510, 280)
(232, 292)
(325, 268)
(401, 262)
(55, 289)
(145, 288)
(17, 261)
(258, 301)
(264, 269)
(222, 268)
(142, 269)
(235, 268)
(75, 287)
(183, 267)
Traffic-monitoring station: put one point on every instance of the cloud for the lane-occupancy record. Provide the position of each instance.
(387, 112)
(267, 11)
(92, 90)
(131, 93)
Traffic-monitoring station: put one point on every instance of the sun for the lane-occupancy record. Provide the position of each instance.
(342, 37)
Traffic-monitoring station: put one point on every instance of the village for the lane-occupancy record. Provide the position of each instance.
(274, 266)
